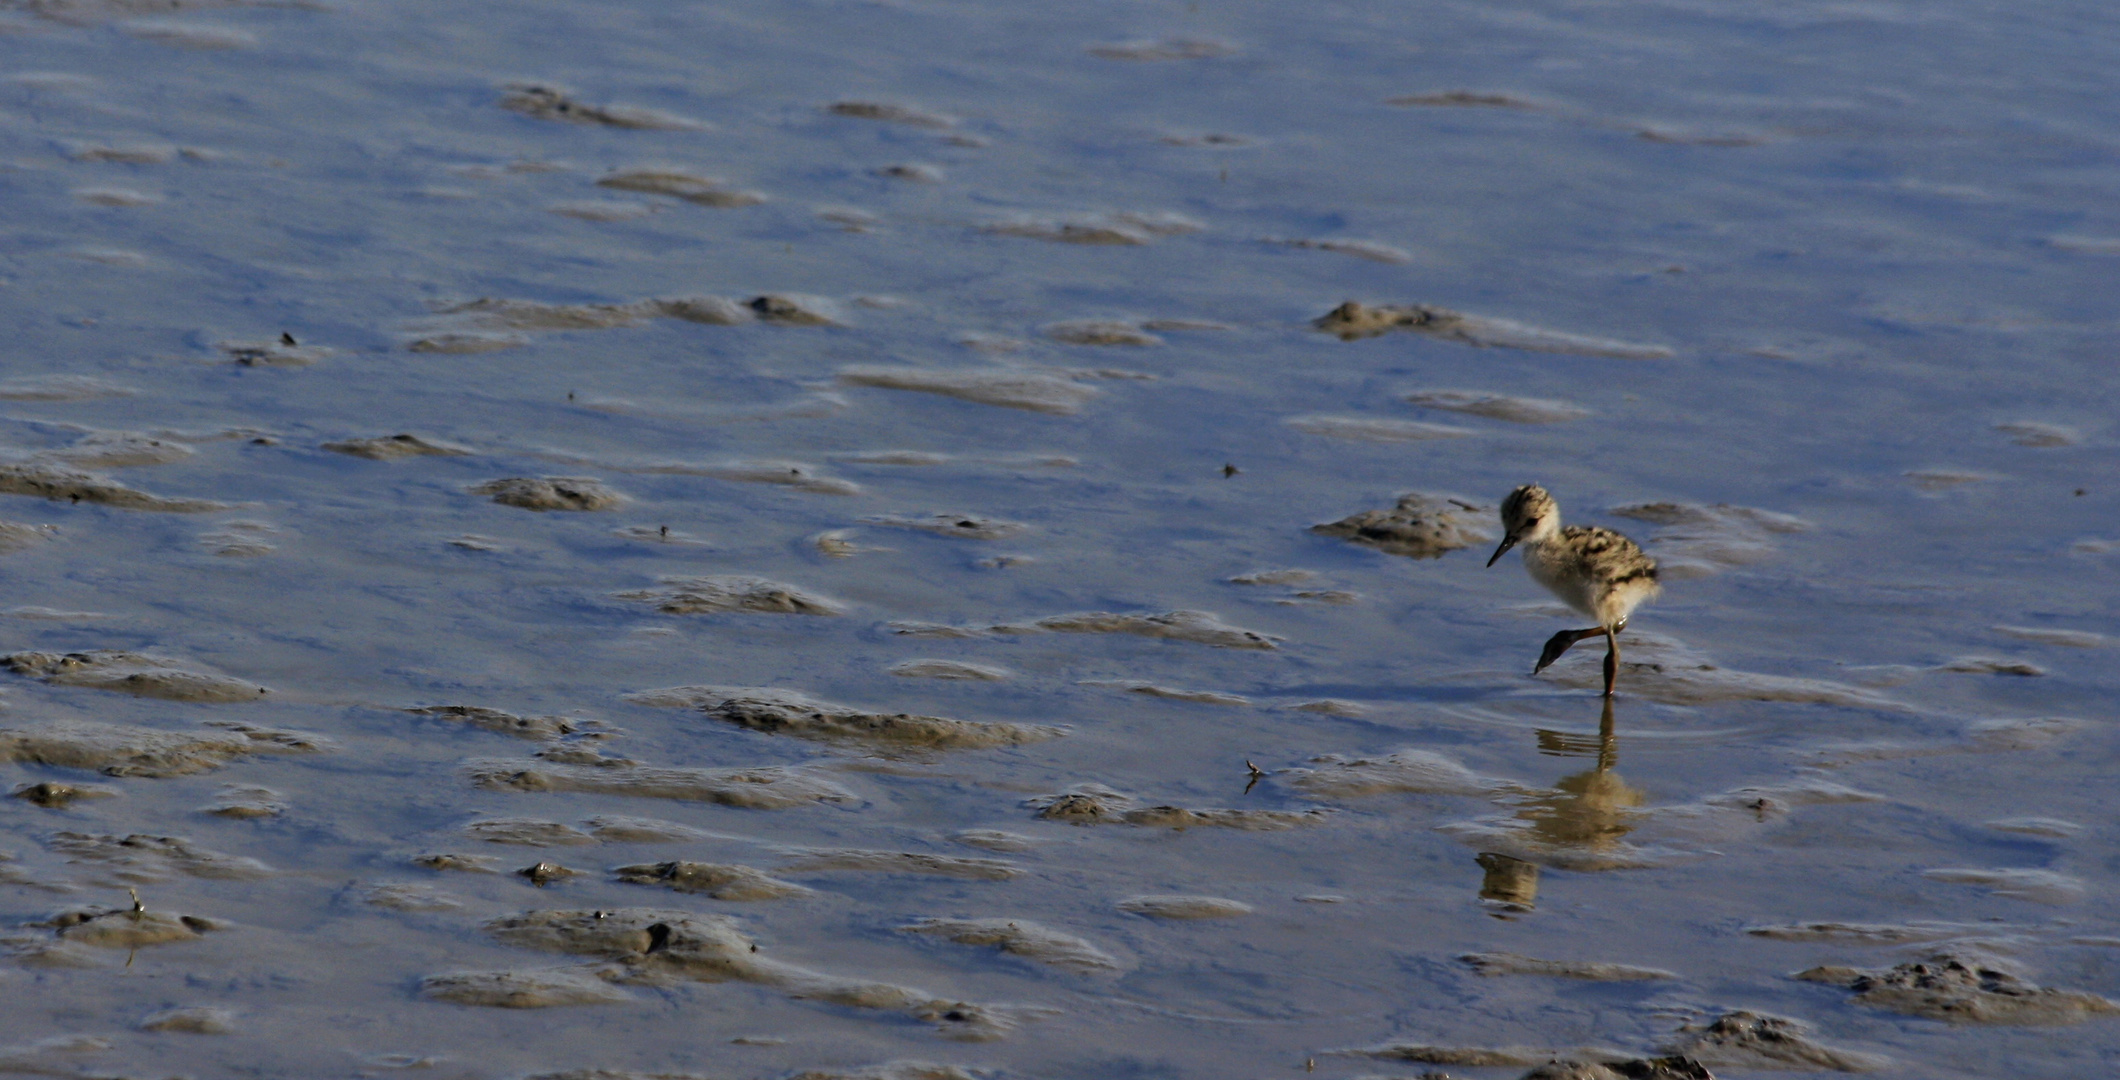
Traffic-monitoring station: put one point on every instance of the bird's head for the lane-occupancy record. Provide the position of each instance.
(1527, 514)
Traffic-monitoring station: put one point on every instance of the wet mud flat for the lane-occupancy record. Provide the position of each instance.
(927, 542)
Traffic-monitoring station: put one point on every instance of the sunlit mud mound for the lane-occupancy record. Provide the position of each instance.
(1420, 526)
(1353, 320)
(1963, 989)
(1667, 671)
(128, 750)
(1022, 938)
(1095, 804)
(662, 947)
(786, 712)
(139, 674)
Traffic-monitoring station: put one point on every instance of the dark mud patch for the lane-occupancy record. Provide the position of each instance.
(568, 493)
(1008, 388)
(394, 448)
(1496, 964)
(1168, 693)
(1750, 1041)
(1353, 320)
(527, 832)
(55, 794)
(1117, 229)
(283, 353)
(1095, 804)
(718, 881)
(521, 989)
(731, 592)
(139, 858)
(891, 113)
(1199, 627)
(132, 673)
(542, 728)
(1464, 99)
(1420, 526)
(958, 526)
(758, 788)
(548, 102)
(784, 712)
(1021, 938)
(699, 190)
(1102, 332)
(656, 947)
(59, 483)
(127, 750)
(1515, 410)
(1963, 990)
(949, 669)
(1179, 906)
(1360, 249)
(919, 864)
(1662, 1068)
(243, 802)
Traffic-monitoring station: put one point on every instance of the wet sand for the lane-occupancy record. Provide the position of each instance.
(926, 542)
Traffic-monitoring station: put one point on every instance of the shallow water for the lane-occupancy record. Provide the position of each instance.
(1050, 271)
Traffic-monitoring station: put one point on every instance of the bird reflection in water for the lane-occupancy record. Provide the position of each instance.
(1589, 811)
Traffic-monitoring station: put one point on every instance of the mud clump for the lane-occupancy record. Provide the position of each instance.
(573, 493)
(1354, 320)
(1360, 249)
(959, 526)
(283, 353)
(57, 483)
(1494, 964)
(1120, 229)
(546, 102)
(528, 833)
(394, 448)
(715, 880)
(891, 113)
(1421, 526)
(140, 858)
(55, 795)
(61, 388)
(1009, 389)
(1163, 49)
(760, 788)
(783, 712)
(791, 310)
(127, 928)
(1751, 1041)
(132, 673)
(1463, 99)
(731, 592)
(198, 1020)
(1095, 804)
(126, 750)
(700, 190)
(1515, 410)
(949, 669)
(656, 947)
(1171, 906)
(1963, 990)
(521, 989)
(1662, 1068)
(542, 728)
(1028, 940)
(1195, 626)
(899, 862)
(1102, 332)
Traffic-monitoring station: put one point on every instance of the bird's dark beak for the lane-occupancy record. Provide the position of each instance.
(1507, 543)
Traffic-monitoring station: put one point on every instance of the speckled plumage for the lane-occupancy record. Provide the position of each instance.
(1594, 570)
